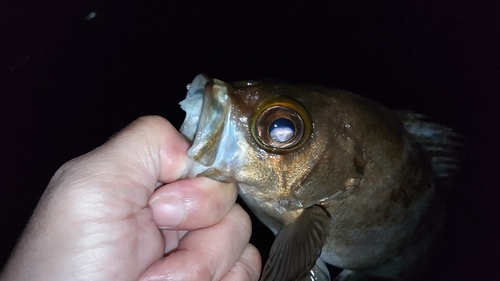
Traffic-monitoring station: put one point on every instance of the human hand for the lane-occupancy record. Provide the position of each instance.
(99, 218)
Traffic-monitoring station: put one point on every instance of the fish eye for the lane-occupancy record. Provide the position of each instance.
(281, 129)
(281, 125)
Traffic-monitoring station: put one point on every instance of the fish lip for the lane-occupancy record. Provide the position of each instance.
(196, 105)
(198, 90)
(211, 123)
(208, 125)
(191, 105)
(205, 109)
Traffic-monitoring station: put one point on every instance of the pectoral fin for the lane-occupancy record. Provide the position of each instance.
(297, 246)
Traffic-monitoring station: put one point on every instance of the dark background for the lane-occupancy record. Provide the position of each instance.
(68, 82)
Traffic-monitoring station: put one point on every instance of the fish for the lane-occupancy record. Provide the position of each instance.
(339, 179)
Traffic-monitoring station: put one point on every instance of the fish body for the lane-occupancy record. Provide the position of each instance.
(337, 177)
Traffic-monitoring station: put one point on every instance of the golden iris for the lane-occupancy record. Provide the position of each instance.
(281, 125)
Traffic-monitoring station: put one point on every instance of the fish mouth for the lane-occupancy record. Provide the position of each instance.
(201, 119)
(193, 105)
(208, 125)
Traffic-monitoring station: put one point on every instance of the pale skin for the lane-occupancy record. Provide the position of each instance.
(102, 217)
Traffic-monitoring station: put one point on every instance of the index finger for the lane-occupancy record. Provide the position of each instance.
(158, 154)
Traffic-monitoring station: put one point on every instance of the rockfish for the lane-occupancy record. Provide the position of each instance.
(338, 178)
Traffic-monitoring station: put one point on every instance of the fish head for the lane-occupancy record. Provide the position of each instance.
(266, 136)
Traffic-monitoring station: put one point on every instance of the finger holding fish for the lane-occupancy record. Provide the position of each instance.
(191, 198)
(236, 258)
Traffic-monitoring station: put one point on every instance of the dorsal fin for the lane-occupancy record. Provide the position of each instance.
(440, 142)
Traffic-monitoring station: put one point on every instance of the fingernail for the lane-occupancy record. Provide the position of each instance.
(168, 212)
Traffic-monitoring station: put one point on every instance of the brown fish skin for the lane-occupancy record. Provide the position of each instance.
(359, 163)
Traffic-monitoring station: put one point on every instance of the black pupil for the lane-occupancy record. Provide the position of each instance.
(281, 130)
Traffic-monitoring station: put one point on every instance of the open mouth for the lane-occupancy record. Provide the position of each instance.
(214, 148)
(192, 105)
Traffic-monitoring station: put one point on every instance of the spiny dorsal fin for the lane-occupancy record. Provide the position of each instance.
(437, 140)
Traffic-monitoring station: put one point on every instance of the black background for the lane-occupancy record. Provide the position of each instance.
(67, 83)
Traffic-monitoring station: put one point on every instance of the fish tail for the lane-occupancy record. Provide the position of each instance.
(440, 143)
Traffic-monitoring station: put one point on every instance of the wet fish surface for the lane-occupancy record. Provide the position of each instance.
(338, 178)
